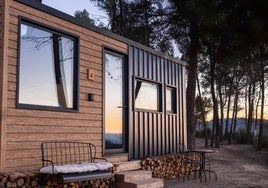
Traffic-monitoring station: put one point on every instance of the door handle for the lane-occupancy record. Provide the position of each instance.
(121, 106)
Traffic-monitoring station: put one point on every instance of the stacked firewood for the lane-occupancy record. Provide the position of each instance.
(53, 181)
(19, 180)
(32, 180)
(171, 166)
(11, 181)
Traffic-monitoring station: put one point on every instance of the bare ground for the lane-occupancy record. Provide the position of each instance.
(235, 165)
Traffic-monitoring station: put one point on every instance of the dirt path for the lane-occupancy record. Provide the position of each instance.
(236, 166)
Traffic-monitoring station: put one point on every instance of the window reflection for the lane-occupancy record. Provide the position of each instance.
(171, 99)
(46, 70)
(113, 102)
(146, 95)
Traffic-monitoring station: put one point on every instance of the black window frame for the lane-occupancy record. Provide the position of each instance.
(173, 99)
(62, 33)
(159, 95)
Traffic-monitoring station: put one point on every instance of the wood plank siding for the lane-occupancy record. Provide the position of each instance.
(26, 129)
(146, 132)
(156, 133)
(4, 19)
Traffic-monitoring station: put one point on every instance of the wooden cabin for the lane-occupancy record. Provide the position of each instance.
(64, 79)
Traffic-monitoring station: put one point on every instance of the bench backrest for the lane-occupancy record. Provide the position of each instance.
(61, 153)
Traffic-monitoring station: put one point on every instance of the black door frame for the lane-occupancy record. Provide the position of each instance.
(125, 99)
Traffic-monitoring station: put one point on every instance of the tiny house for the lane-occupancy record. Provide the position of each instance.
(64, 79)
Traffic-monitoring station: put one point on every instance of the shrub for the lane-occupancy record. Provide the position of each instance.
(201, 133)
(240, 137)
(264, 143)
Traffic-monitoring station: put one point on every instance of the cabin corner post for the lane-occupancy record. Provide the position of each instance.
(184, 107)
(4, 6)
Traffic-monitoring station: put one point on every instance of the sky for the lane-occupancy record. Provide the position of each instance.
(70, 6)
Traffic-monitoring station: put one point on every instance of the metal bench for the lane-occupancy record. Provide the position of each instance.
(73, 162)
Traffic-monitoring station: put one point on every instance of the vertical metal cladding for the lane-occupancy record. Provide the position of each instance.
(154, 133)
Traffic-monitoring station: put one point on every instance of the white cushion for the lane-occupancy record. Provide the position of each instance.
(85, 167)
(76, 168)
(103, 165)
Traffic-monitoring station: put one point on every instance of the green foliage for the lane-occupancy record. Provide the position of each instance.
(84, 15)
(141, 21)
(230, 35)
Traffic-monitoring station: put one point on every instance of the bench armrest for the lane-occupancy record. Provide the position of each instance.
(100, 158)
(44, 160)
(52, 164)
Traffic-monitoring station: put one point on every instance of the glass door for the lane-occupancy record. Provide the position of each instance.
(115, 102)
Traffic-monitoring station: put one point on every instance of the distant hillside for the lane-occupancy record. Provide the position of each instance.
(240, 123)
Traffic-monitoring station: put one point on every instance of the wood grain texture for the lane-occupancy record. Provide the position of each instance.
(4, 6)
(26, 129)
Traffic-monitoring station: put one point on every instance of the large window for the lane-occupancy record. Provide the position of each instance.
(48, 67)
(147, 95)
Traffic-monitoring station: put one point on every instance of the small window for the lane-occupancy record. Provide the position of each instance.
(171, 100)
(47, 68)
(147, 95)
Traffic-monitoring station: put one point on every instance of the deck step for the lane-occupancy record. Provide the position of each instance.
(128, 166)
(144, 183)
(133, 175)
(130, 175)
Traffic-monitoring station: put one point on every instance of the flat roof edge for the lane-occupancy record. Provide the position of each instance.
(54, 12)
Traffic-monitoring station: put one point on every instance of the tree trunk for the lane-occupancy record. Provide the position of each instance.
(256, 109)
(121, 14)
(227, 116)
(212, 140)
(262, 106)
(191, 84)
(214, 99)
(113, 17)
(230, 136)
(147, 22)
(256, 117)
(235, 116)
(228, 109)
(203, 114)
(221, 113)
(236, 105)
(251, 94)
(246, 104)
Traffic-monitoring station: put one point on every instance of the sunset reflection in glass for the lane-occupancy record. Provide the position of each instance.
(46, 68)
(113, 102)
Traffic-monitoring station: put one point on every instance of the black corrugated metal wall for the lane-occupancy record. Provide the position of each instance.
(156, 133)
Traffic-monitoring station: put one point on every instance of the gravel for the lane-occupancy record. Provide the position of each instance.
(235, 165)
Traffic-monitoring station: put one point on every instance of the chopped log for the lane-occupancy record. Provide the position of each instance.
(2, 185)
(20, 182)
(9, 184)
(169, 166)
(4, 180)
(34, 183)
